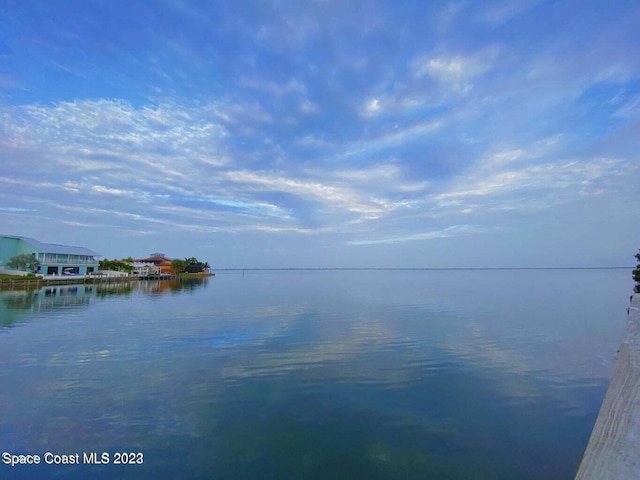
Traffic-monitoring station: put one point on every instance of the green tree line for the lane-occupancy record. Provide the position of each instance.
(117, 265)
(189, 265)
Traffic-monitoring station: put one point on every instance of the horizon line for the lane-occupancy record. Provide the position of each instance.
(420, 268)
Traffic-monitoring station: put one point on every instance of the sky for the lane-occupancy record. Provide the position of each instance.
(326, 133)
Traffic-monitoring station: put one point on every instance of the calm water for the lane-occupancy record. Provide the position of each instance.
(313, 374)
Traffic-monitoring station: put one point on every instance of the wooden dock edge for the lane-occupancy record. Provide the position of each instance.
(613, 451)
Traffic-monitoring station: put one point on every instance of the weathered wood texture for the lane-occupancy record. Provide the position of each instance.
(613, 451)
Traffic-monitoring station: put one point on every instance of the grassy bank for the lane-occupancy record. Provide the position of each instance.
(4, 276)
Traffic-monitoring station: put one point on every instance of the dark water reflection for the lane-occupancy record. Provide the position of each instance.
(17, 304)
(313, 374)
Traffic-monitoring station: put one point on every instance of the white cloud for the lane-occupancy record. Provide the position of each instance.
(312, 142)
(113, 191)
(512, 188)
(95, 134)
(456, 71)
(308, 107)
(499, 12)
(448, 232)
(537, 150)
(386, 178)
(388, 139)
(15, 210)
(337, 196)
(372, 107)
(629, 109)
(276, 89)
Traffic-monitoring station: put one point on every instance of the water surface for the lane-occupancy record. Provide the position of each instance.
(313, 374)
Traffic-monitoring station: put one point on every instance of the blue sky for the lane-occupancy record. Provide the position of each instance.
(325, 133)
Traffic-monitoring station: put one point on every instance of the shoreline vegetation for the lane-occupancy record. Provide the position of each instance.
(26, 270)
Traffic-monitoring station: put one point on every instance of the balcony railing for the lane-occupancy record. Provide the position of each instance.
(67, 259)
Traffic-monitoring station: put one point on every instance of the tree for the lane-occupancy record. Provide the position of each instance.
(193, 265)
(636, 273)
(24, 262)
(178, 266)
(117, 265)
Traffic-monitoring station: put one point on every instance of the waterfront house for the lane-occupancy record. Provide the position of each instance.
(162, 263)
(145, 269)
(54, 259)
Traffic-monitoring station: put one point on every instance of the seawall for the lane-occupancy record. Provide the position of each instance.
(613, 451)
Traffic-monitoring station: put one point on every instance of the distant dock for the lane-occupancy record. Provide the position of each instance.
(613, 451)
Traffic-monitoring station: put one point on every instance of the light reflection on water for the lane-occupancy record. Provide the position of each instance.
(331, 374)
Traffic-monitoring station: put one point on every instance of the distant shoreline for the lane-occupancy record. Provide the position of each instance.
(253, 269)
